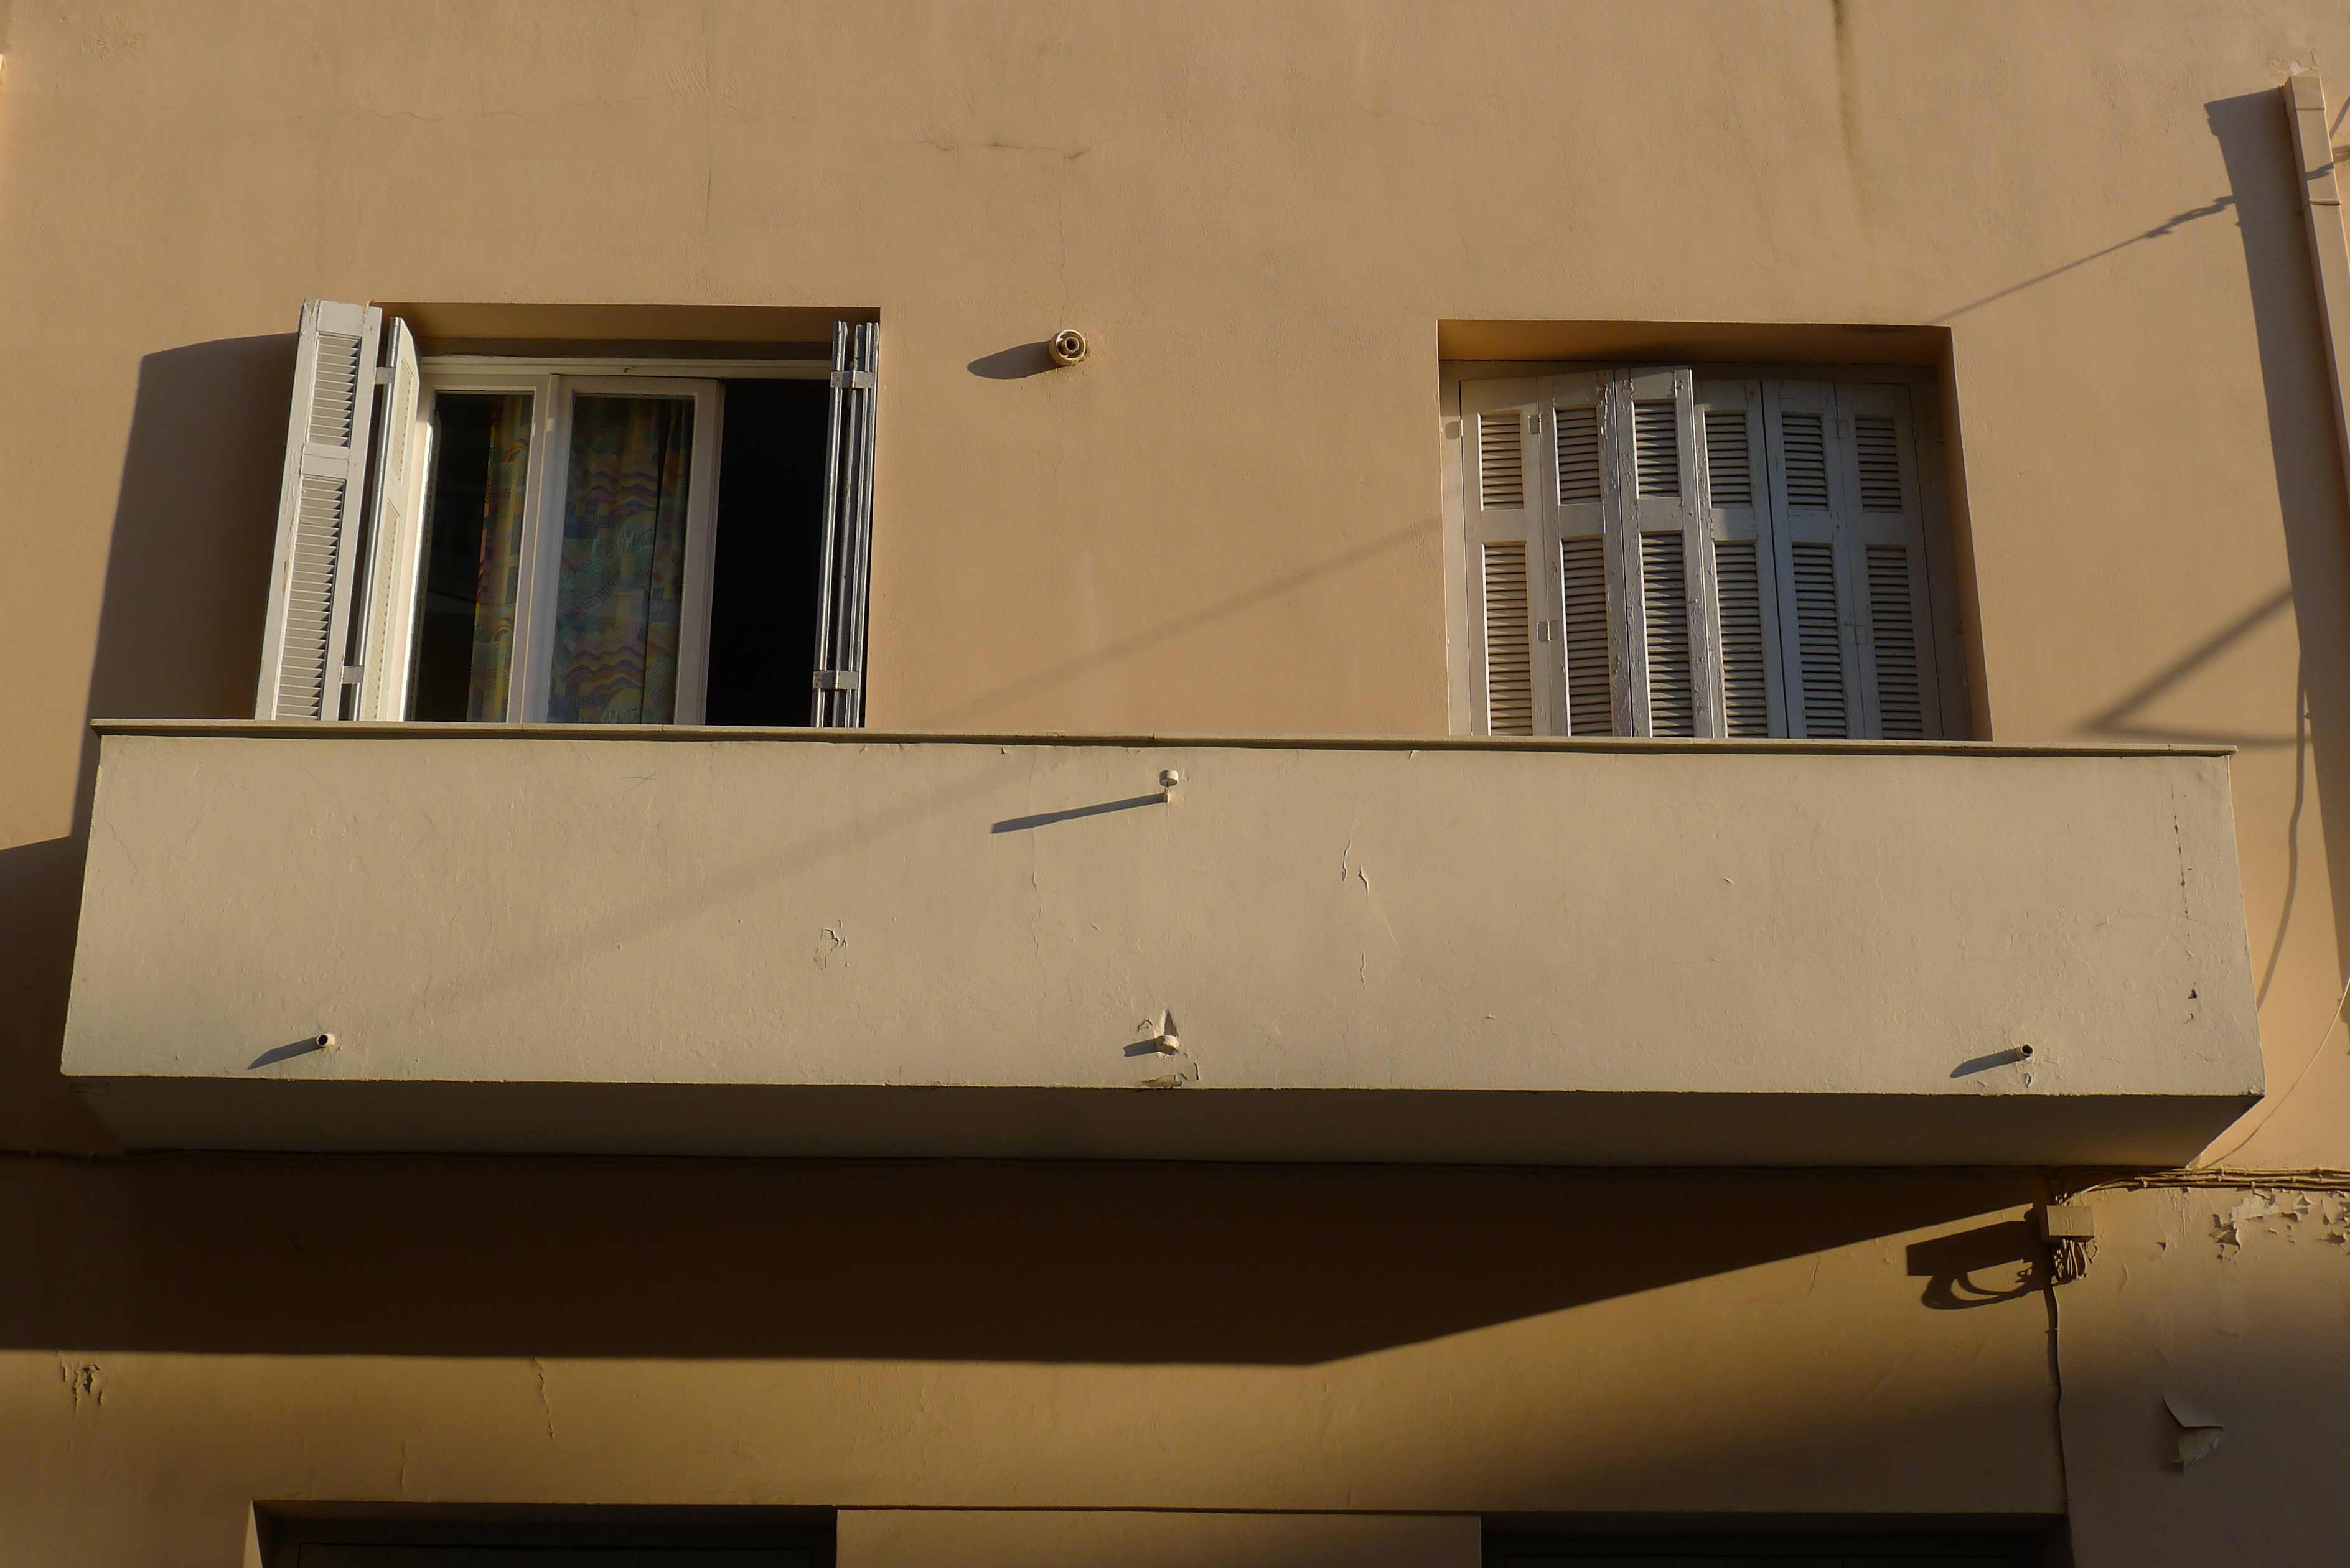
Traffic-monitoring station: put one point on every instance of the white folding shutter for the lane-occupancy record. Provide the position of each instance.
(1666, 677)
(325, 451)
(844, 578)
(1815, 600)
(1574, 547)
(1503, 472)
(1883, 529)
(394, 539)
(1735, 505)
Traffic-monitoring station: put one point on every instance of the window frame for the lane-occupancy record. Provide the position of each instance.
(555, 385)
(1933, 444)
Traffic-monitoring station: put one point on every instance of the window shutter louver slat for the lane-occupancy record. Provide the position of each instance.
(1745, 667)
(383, 625)
(1501, 458)
(1671, 695)
(1583, 571)
(1509, 642)
(1737, 523)
(1578, 454)
(1656, 452)
(1673, 688)
(1577, 657)
(1819, 641)
(1506, 481)
(1892, 616)
(307, 632)
(1807, 461)
(1817, 681)
(1880, 463)
(1729, 475)
(1884, 533)
(846, 563)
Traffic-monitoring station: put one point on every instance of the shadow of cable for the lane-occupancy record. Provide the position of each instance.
(1046, 818)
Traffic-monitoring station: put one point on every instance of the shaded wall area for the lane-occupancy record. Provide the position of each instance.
(178, 630)
(210, 1331)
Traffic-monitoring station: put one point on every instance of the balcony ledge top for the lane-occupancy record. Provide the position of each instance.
(268, 729)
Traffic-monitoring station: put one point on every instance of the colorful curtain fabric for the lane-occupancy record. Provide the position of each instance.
(620, 599)
(493, 602)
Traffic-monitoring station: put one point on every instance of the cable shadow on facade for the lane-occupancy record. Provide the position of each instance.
(1119, 649)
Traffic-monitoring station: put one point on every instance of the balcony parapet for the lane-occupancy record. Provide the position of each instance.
(789, 942)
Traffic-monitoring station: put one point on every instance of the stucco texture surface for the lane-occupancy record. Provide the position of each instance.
(1229, 520)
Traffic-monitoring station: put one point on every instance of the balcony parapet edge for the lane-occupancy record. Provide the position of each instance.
(261, 729)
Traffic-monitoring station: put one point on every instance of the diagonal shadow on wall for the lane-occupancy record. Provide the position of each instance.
(179, 636)
(929, 1259)
(2263, 163)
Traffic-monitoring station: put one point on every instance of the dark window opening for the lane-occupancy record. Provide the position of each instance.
(453, 523)
(770, 540)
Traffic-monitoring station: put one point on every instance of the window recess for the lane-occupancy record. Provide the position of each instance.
(570, 541)
(1687, 551)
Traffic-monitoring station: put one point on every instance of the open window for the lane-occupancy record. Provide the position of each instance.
(1705, 551)
(483, 537)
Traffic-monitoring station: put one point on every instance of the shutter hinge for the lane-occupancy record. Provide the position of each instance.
(838, 680)
(353, 674)
(383, 374)
(857, 380)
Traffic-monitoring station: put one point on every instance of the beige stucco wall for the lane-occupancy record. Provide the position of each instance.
(1228, 521)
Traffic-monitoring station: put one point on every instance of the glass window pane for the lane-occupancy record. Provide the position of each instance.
(463, 648)
(620, 597)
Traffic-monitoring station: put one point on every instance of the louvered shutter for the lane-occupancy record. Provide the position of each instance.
(393, 539)
(1883, 529)
(1575, 634)
(309, 602)
(1735, 505)
(845, 579)
(1666, 681)
(1503, 472)
(1815, 596)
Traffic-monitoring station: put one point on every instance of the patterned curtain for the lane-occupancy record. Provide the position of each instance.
(493, 604)
(621, 600)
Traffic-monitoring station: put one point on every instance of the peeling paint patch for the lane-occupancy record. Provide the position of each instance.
(2287, 1218)
(85, 1384)
(2199, 1432)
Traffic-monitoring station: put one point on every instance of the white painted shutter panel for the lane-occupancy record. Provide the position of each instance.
(1505, 468)
(845, 590)
(1667, 682)
(1574, 547)
(1735, 505)
(1815, 596)
(1884, 529)
(325, 450)
(394, 539)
